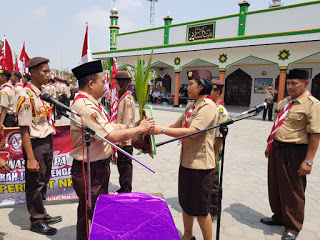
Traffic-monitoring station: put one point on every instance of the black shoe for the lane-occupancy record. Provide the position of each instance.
(42, 228)
(269, 221)
(289, 236)
(52, 220)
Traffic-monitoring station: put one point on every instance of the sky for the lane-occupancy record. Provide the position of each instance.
(55, 29)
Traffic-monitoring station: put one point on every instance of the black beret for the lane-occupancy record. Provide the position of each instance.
(17, 73)
(87, 69)
(298, 74)
(6, 73)
(27, 76)
(199, 74)
(36, 61)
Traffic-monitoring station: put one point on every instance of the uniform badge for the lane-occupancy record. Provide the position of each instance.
(4, 94)
(94, 116)
(29, 93)
(129, 105)
(189, 74)
(1, 71)
(26, 107)
(221, 110)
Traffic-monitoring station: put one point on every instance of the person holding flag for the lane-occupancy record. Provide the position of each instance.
(126, 116)
(291, 148)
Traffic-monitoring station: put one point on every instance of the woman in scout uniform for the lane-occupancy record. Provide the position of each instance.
(197, 155)
(91, 81)
(126, 116)
(7, 100)
(36, 130)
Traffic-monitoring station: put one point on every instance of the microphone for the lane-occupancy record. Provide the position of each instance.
(257, 108)
(46, 97)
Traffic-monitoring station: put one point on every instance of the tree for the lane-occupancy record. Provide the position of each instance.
(105, 64)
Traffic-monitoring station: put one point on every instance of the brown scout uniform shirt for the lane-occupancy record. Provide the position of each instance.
(33, 116)
(126, 114)
(198, 153)
(92, 117)
(303, 118)
(7, 98)
(268, 95)
(17, 89)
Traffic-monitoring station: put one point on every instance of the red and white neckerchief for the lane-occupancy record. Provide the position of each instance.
(124, 95)
(185, 125)
(281, 117)
(19, 85)
(106, 116)
(208, 97)
(220, 103)
(6, 85)
(48, 109)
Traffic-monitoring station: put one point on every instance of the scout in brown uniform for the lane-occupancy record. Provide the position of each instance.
(15, 80)
(26, 77)
(7, 100)
(223, 116)
(36, 133)
(197, 155)
(126, 116)
(269, 93)
(91, 81)
(291, 156)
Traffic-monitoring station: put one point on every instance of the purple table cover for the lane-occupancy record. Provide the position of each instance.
(132, 216)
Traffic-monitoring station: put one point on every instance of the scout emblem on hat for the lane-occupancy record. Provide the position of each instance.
(190, 74)
(200, 74)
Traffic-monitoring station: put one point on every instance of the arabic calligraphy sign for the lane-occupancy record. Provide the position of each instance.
(200, 32)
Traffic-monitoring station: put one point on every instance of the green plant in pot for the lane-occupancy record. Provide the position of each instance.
(142, 142)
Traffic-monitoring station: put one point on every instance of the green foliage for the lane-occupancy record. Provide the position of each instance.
(105, 64)
(141, 81)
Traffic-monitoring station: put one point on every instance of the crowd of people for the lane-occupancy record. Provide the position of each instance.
(292, 144)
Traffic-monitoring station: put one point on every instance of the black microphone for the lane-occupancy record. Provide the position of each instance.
(257, 108)
(46, 97)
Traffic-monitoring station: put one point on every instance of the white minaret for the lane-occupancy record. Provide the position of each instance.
(275, 3)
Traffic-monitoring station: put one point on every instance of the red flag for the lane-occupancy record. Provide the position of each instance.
(16, 68)
(6, 56)
(23, 60)
(86, 53)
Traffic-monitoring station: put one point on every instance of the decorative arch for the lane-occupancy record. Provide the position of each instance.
(157, 62)
(251, 56)
(311, 55)
(198, 59)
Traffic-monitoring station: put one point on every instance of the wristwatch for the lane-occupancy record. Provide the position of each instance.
(309, 162)
(164, 130)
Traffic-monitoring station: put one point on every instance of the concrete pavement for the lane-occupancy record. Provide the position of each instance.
(245, 198)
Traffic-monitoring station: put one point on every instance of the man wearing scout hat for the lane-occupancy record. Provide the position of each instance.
(36, 129)
(7, 100)
(126, 116)
(217, 90)
(91, 81)
(291, 148)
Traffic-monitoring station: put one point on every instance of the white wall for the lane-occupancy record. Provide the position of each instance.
(290, 19)
(227, 27)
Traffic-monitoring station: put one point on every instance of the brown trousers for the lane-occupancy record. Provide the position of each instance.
(36, 182)
(286, 188)
(100, 175)
(215, 193)
(125, 170)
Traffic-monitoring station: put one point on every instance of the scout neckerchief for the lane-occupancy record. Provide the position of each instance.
(220, 103)
(18, 84)
(45, 110)
(185, 125)
(105, 114)
(124, 95)
(6, 85)
(282, 115)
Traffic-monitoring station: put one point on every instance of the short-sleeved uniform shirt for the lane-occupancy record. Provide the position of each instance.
(52, 90)
(33, 112)
(223, 116)
(7, 98)
(126, 113)
(17, 89)
(92, 117)
(268, 95)
(198, 153)
(302, 119)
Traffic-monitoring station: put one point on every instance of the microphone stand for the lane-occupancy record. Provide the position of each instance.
(224, 131)
(87, 139)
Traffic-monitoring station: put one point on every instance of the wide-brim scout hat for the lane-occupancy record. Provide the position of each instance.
(17, 73)
(199, 74)
(36, 61)
(6, 73)
(87, 69)
(298, 74)
(122, 75)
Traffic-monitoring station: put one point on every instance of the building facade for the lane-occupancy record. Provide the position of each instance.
(246, 50)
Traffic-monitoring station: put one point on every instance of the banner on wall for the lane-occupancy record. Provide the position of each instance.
(12, 185)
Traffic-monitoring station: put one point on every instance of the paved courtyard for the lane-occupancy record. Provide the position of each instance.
(245, 198)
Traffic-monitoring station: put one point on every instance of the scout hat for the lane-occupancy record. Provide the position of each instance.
(17, 73)
(6, 73)
(27, 76)
(298, 74)
(87, 69)
(36, 61)
(217, 84)
(122, 75)
(199, 74)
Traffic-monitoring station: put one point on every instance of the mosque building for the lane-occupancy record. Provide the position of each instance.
(247, 50)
